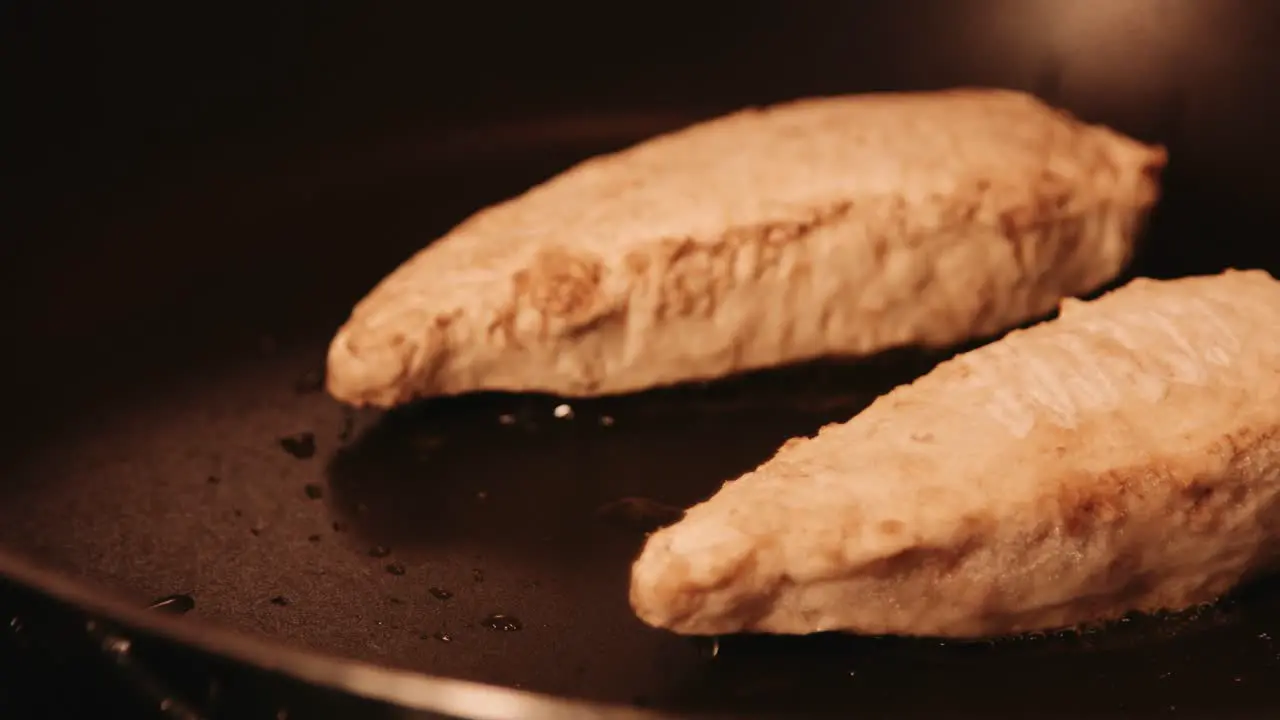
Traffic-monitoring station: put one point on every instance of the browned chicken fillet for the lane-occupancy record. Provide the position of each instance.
(1125, 456)
(838, 226)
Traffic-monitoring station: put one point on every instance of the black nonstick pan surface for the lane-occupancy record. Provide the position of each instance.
(172, 443)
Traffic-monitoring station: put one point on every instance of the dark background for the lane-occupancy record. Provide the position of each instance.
(112, 93)
(115, 101)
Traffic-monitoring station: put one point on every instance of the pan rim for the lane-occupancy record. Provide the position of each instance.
(405, 689)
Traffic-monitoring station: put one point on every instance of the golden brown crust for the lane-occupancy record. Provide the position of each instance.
(833, 226)
(1125, 456)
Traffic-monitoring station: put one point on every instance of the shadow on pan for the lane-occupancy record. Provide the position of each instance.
(172, 440)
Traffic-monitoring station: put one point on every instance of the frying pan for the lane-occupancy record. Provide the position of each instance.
(202, 200)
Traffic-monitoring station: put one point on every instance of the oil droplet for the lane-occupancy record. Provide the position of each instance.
(482, 496)
(443, 637)
(506, 419)
(118, 646)
(502, 623)
(426, 444)
(1264, 636)
(379, 551)
(313, 491)
(301, 445)
(477, 574)
(439, 593)
(564, 412)
(396, 568)
(280, 600)
(606, 421)
(708, 647)
(179, 604)
(705, 646)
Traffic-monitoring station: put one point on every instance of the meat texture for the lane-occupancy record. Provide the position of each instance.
(1124, 456)
(835, 226)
